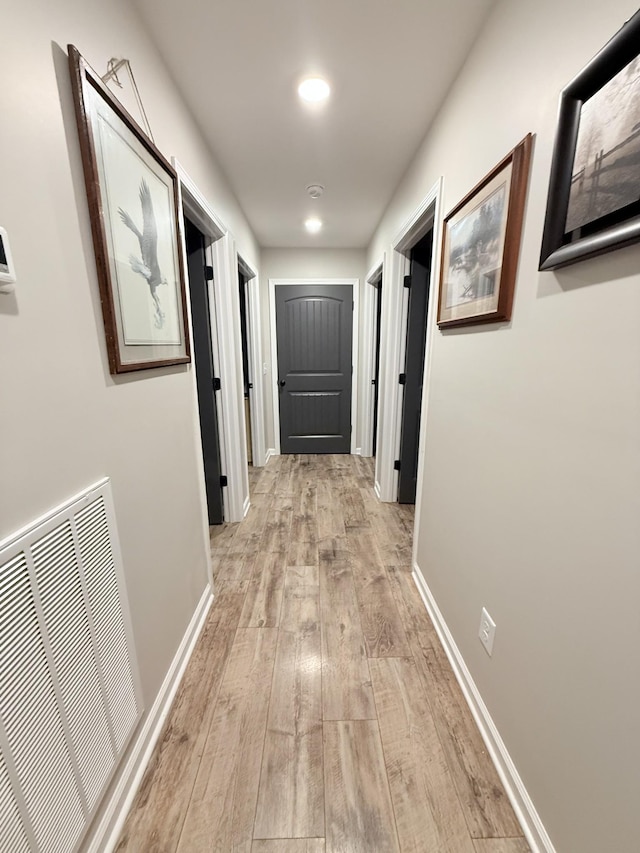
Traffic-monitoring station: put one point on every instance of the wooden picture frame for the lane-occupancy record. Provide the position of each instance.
(593, 204)
(481, 245)
(135, 222)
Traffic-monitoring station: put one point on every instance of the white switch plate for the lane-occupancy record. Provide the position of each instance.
(487, 631)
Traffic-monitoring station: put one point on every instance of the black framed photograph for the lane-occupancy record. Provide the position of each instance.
(134, 211)
(593, 204)
(481, 245)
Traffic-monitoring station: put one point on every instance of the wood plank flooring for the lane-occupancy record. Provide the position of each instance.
(319, 713)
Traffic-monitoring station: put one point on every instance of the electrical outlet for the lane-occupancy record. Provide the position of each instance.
(487, 631)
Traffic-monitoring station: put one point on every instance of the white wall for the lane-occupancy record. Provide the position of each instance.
(302, 263)
(65, 422)
(531, 494)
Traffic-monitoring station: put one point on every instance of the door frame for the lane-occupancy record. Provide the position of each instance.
(225, 270)
(393, 343)
(354, 283)
(254, 335)
(188, 205)
(367, 395)
(225, 338)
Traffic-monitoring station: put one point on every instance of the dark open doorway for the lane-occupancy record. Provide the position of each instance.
(200, 274)
(412, 378)
(246, 369)
(376, 362)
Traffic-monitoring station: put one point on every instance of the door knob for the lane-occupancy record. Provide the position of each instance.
(282, 383)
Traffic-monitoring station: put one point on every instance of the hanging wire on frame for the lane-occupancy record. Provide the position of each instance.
(113, 67)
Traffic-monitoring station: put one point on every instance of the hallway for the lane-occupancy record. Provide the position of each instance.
(318, 704)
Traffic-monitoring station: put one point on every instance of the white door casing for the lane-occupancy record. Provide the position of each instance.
(393, 342)
(254, 334)
(227, 349)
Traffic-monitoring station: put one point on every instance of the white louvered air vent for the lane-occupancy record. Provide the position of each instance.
(69, 687)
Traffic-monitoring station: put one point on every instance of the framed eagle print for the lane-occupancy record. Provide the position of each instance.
(133, 207)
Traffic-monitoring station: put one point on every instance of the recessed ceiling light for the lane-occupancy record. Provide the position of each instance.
(313, 225)
(314, 89)
(315, 190)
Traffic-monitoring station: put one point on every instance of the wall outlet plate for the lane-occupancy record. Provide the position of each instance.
(487, 631)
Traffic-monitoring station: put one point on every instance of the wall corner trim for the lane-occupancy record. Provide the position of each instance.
(271, 451)
(106, 833)
(526, 813)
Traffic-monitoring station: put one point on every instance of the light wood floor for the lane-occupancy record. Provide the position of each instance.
(319, 713)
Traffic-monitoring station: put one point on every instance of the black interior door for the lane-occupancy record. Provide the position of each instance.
(246, 374)
(376, 379)
(314, 336)
(414, 367)
(199, 274)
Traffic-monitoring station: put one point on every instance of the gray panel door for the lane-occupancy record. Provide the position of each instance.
(314, 332)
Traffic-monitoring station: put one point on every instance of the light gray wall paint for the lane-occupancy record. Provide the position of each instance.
(65, 421)
(301, 263)
(531, 494)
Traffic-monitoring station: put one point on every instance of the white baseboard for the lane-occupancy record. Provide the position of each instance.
(358, 451)
(245, 506)
(376, 489)
(270, 452)
(532, 826)
(106, 834)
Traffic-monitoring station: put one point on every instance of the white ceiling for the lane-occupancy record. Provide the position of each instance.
(389, 63)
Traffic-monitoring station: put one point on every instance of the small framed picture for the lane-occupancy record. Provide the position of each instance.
(481, 244)
(7, 271)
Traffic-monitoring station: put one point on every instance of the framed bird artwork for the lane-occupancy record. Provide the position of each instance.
(133, 198)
